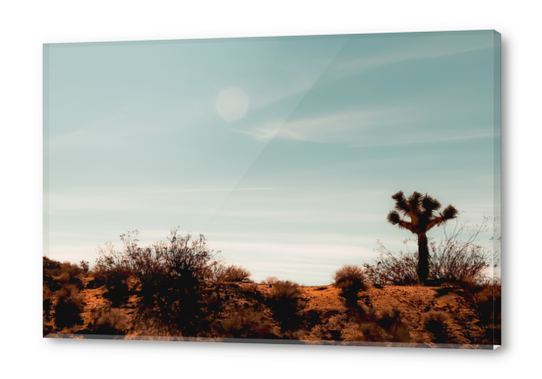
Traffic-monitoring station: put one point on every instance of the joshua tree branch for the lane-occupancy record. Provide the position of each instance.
(395, 219)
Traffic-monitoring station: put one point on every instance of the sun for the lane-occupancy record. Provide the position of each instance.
(232, 104)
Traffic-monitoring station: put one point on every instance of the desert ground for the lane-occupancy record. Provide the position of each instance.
(453, 316)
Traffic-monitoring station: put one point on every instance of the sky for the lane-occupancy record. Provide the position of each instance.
(283, 152)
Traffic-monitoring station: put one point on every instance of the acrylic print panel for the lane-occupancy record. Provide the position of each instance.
(339, 189)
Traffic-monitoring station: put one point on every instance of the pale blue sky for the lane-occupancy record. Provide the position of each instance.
(284, 152)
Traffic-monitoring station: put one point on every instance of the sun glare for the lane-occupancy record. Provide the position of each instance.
(232, 104)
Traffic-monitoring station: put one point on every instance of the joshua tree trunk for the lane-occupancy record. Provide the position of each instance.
(423, 263)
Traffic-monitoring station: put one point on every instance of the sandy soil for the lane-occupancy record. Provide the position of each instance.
(416, 304)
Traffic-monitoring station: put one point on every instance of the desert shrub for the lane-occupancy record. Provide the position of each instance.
(84, 265)
(51, 266)
(392, 323)
(452, 260)
(113, 271)
(214, 271)
(270, 280)
(70, 274)
(68, 307)
(55, 274)
(51, 270)
(455, 260)
(392, 269)
(373, 327)
(485, 300)
(107, 322)
(234, 273)
(116, 282)
(99, 278)
(246, 322)
(171, 294)
(68, 269)
(287, 304)
(350, 280)
(366, 331)
(48, 299)
(219, 272)
(437, 323)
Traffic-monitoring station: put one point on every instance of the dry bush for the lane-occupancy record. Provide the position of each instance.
(56, 274)
(71, 274)
(51, 270)
(84, 265)
(116, 282)
(452, 260)
(68, 306)
(392, 323)
(234, 273)
(392, 269)
(48, 299)
(332, 326)
(485, 300)
(350, 280)
(68, 269)
(437, 323)
(455, 260)
(364, 332)
(214, 271)
(270, 280)
(113, 271)
(107, 322)
(246, 322)
(172, 296)
(51, 266)
(287, 304)
(373, 327)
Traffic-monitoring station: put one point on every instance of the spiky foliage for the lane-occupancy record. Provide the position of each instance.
(422, 210)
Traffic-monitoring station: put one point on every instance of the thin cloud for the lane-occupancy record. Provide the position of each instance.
(322, 217)
(430, 139)
(293, 251)
(66, 202)
(384, 126)
(338, 128)
(431, 49)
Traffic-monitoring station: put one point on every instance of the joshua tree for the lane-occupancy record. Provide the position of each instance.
(420, 210)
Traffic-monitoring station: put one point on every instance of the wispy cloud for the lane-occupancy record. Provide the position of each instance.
(300, 84)
(427, 48)
(197, 190)
(125, 198)
(66, 201)
(302, 215)
(293, 251)
(375, 127)
(131, 125)
(330, 128)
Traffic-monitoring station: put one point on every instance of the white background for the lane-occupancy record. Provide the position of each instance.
(26, 25)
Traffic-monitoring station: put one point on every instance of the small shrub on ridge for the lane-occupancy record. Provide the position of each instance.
(350, 280)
